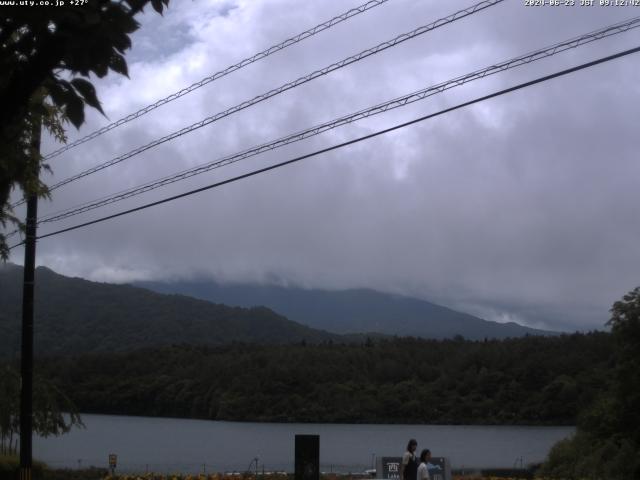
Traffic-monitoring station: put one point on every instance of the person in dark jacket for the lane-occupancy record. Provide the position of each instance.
(409, 464)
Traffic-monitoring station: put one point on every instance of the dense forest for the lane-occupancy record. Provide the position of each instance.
(532, 380)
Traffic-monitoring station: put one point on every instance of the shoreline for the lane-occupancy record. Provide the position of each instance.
(291, 423)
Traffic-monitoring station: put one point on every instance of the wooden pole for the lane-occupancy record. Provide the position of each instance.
(26, 363)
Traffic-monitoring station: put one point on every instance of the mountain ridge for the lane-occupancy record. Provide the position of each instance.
(350, 311)
(73, 315)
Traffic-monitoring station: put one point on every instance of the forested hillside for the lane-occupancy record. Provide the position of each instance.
(533, 380)
(73, 315)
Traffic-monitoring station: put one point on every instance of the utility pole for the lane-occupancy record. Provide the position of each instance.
(26, 359)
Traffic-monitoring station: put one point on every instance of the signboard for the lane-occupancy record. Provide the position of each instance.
(389, 468)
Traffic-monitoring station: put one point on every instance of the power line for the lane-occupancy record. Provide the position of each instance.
(347, 119)
(344, 144)
(283, 88)
(380, 47)
(241, 64)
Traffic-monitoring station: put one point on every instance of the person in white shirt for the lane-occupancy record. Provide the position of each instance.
(423, 471)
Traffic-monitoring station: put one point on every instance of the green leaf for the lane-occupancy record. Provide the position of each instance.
(56, 92)
(121, 42)
(100, 69)
(119, 64)
(157, 6)
(88, 92)
(74, 109)
(124, 21)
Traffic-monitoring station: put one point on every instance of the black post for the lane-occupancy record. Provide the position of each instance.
(307, 457)
(26, 364)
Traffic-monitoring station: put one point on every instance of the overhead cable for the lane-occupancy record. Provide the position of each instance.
(344, 144)
(283, 88)
(226, 71)
(353, 117)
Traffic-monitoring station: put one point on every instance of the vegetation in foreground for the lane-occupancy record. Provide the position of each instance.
(284, 476)
(9, 470)
(607, 442)
(42, 472)
(49, 403)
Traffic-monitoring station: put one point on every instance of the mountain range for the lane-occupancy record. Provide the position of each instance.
(350, 311)
(73, 315)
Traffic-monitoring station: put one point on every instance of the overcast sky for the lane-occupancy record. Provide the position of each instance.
(524, 208)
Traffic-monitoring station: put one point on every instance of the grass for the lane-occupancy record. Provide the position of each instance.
(10, 467)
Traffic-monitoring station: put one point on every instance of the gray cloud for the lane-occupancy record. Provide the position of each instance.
(521, 208)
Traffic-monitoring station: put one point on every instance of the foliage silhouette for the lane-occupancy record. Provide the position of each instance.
(44, 54)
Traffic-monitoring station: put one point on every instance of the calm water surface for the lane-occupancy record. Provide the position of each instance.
(177, 445)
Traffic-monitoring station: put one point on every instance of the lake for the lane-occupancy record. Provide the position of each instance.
(167, 445)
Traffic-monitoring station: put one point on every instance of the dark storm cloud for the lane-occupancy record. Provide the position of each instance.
(520, 208)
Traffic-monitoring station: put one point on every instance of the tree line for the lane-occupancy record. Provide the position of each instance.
(531, 380)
